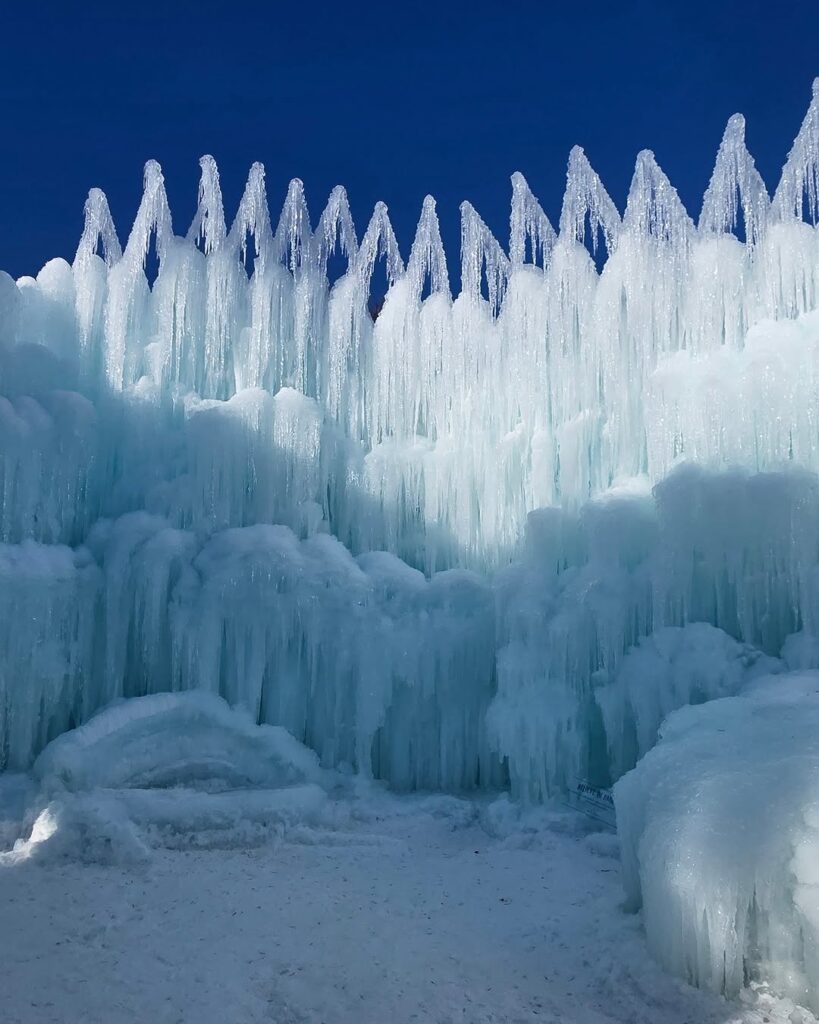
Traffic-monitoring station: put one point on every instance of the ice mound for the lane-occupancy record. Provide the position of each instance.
(174, 739)
(666, 670)
(719, 827)
(172, 770)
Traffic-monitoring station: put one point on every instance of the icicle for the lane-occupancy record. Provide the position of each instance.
(292, 241)
(427, 255)
(654, 210)
(480, 248)
(789, 273)
(349, 323)
(98, 230)
(379, 241)
(225, 285)
(800, 175)
(128, 310)
(735, 178)
(528, 221)
(335, 227)
(294, 246)
(90, 280)
(261, 340)
(253, 218)
(208, 225)
(153, 216)
(585, 195)
(347, 383)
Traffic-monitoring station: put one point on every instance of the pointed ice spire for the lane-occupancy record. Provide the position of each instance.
(654, 210)
(209, 223)
(480, 248)
(292, 241)
(153, 215)
(528, 221)
(800, 175)
(735, 180)
(253, 218)
(427, 255)
(98, 230)
(336, 226)
(585, 194)
(379, 241)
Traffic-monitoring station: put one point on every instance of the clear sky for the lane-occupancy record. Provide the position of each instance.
(392, 100)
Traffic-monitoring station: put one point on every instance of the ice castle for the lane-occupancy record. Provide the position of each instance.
(426, 544)
(490, 541)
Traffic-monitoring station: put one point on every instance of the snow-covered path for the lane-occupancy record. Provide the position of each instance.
(410, 912)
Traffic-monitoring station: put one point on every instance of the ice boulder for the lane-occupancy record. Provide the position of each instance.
(672, 667)
(173, 770)
(719, 829)
(173, 739)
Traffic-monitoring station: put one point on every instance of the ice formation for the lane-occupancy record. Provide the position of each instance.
(173, 770)
(483, 541)
(719, 827)
(423, 543)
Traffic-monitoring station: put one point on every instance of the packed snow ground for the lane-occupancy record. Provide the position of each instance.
(171, 861)
(397, 909)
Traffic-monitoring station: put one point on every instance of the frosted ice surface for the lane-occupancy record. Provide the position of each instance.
(719, 832)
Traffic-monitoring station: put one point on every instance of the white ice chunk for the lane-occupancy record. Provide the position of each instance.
(719, 826)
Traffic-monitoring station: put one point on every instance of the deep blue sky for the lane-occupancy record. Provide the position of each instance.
(393, 100)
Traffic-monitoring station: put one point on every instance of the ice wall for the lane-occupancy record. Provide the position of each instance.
(368, 662)
(704, 549)
(457, 681)
(234, 478)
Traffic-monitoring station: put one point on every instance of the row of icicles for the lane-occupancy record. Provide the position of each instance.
(653, 209)
(436, 430)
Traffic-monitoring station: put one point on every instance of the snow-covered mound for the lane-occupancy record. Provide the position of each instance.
(176, 770)
(174, 739)
(719, 827)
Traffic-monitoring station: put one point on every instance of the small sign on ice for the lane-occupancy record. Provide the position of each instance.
(593, 802)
